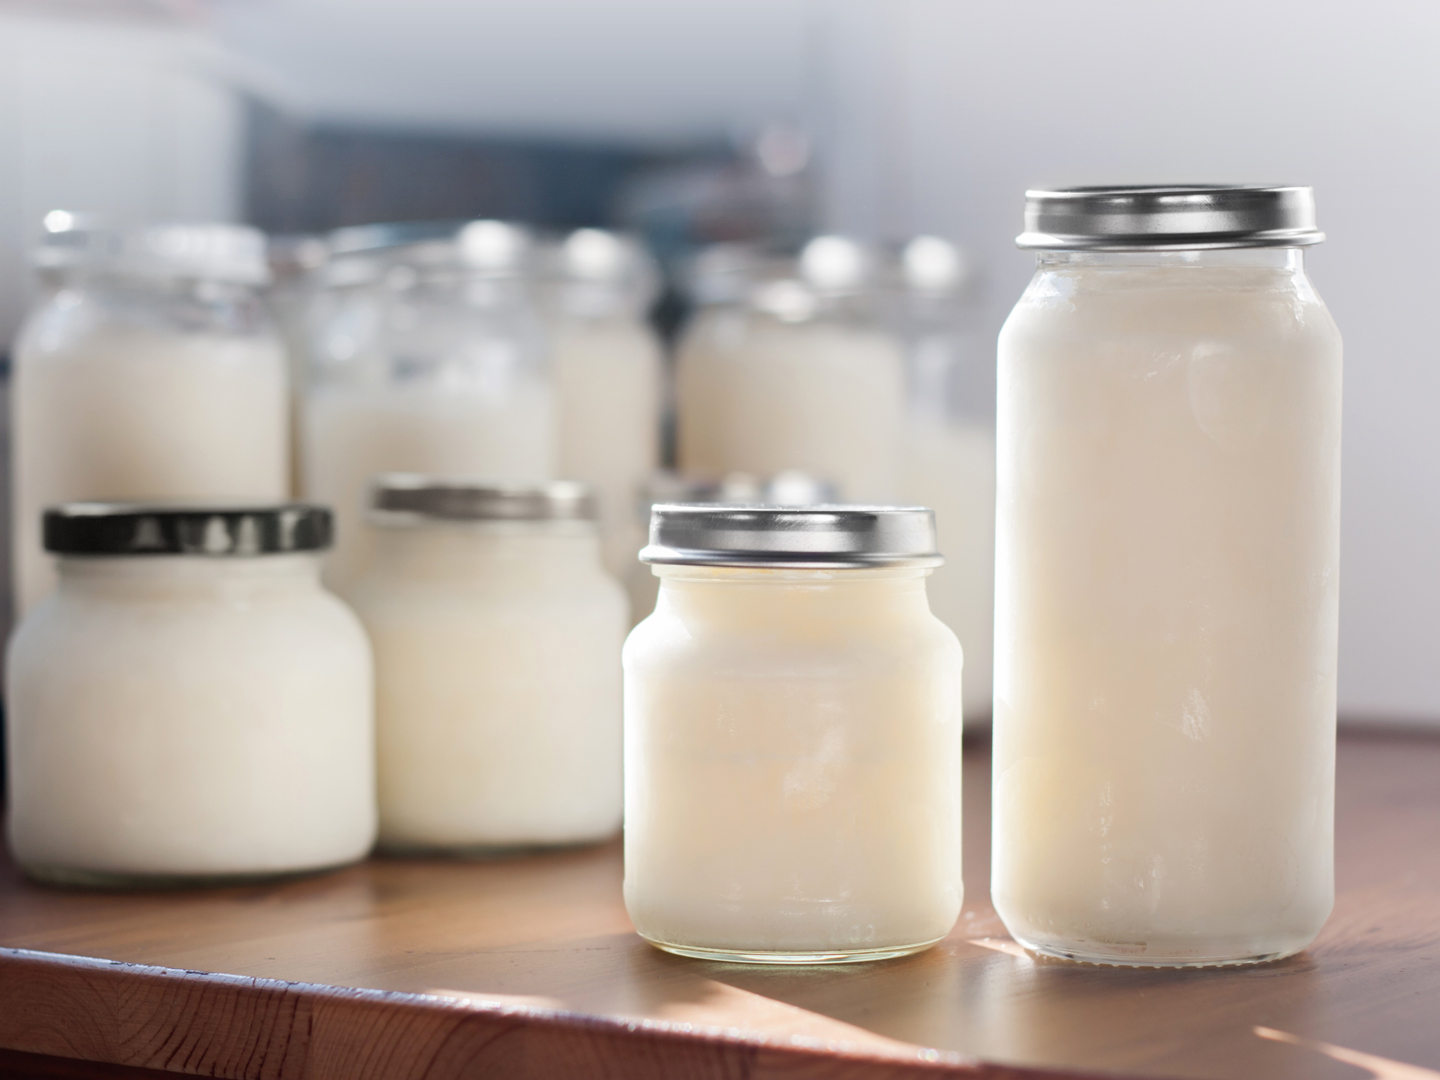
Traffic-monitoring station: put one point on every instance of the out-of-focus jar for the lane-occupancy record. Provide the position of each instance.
(1167, 580)
(149, 370)
(189, 705)
(431, 358)
(792, 738)
(799, 372)
(949, 447)
(296, 262)
(497, 639)
(609, 372)
(735, 489)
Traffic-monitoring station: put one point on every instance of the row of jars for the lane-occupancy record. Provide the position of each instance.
(150, 370)
(1167, 614)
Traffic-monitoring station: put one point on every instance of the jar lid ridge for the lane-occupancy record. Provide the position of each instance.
(1169, 217)
(824, 537)
(219, 529)
(408, 498)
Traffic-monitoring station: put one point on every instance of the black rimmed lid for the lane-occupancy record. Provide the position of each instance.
(218, 529)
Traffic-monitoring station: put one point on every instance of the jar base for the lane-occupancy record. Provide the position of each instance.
(112, 880)
(763, 956)
(484, 852)
(1085, 956)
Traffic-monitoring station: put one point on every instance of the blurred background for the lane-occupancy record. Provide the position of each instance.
(774, 120)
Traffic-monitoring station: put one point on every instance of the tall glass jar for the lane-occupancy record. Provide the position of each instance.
(609, 372)
(430, 358)
(792, 738)
(800, 373)
(149, 370)
(949, 447)
(497, 640)
(189, 705)
(1167, 572)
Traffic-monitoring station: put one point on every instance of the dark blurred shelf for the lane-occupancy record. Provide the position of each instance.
(529, 968)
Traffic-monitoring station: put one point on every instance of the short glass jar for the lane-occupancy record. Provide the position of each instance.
(1166, 593)
(609, 374)
(792, 738)
(794, 367)
(189, 705)
(431, 357)
(149, 370)
(497, 641)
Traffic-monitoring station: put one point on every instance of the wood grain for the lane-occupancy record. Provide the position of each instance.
(529, 968)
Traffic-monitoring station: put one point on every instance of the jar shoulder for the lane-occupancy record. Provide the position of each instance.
(667, 640)
(1216, 304)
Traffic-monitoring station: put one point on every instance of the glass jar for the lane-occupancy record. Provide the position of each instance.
(296, 262)
(189, 705)
(497, 644)
(431, 358)
(149, 370)
(792, 738)
(609, 371)
(949, 448)
(801, 373)
(1166, 588)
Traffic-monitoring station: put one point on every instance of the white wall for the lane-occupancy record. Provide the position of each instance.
(996, 97)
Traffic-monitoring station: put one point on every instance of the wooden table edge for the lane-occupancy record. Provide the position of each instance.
(237, 1027)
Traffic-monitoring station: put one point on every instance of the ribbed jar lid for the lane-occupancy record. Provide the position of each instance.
(209, 529)
(812, 537)
(412, 498)
(1169, 218)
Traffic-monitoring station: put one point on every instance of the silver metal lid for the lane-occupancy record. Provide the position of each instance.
(1169, 218)
(410, 498)
(210, 529)
(801, 538)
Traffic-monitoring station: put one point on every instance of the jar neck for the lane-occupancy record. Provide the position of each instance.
(187, 576)
(1274, 258)
(443, 551)
(816, 600)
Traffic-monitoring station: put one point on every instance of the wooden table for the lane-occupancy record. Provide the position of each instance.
(529, 968)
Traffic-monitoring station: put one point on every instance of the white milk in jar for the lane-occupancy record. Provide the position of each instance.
(1166, 589)
(609, 371)
(792, 738)
(438, 366)
(189, 704)
(497, 641)
(802, 375)
(949, 450)
(150, 372)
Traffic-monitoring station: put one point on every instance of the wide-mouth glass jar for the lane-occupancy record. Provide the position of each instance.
(497, 639)
(609, 374)
(430, 357)
(189, 705)
(792, 738)
(793, 366)
(148, 370)
(948, 460)
(1167, 580)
